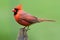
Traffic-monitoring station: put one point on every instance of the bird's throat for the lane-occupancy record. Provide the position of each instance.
(15, 13)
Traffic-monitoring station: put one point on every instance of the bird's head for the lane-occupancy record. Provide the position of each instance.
(19, 7)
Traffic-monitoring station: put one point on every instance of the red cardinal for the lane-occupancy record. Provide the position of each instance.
(25, 18)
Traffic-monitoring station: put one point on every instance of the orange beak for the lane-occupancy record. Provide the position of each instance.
(13, 10)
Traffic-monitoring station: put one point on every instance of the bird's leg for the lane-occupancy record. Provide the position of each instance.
(28, 28)
(24, 28)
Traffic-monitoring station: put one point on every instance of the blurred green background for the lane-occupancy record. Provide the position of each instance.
(49, 9)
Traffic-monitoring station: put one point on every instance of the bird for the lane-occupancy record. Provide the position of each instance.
(25, 19)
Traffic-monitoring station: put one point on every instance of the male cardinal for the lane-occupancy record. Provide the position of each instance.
(25, 18)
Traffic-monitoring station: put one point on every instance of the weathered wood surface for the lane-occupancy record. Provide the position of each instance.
(22, 34)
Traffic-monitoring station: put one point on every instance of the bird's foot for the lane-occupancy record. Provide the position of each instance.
(27, 29)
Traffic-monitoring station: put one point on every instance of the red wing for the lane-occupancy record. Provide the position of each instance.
(29, 18)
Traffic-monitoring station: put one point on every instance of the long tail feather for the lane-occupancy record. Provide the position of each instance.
(43, 20)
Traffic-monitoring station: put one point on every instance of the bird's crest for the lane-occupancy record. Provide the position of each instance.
(19, 7)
